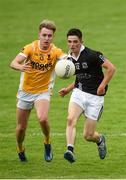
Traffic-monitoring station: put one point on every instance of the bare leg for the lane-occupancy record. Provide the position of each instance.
(90, 133)
(22, 119)
(74, 113)
(42, 109)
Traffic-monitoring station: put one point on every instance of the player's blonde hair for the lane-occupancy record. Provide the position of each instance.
(47, 24)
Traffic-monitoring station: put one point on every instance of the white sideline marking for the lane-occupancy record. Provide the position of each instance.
(59, 134)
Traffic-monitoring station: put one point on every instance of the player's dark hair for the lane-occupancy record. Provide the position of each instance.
(75, 32)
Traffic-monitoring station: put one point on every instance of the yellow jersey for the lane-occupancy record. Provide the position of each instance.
(42, 63)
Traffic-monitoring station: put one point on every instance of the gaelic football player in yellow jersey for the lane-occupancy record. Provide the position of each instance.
(36, 62)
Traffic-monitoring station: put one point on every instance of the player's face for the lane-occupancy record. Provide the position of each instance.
(74, 44)
(46, 37)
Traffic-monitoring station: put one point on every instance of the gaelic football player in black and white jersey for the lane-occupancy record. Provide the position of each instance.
(88, 92)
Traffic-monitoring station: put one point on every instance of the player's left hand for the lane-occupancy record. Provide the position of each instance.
(100, 90)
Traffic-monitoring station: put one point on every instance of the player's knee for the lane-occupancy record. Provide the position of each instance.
(88, 136)
(21, 128)
(70, 121)
(43, 119)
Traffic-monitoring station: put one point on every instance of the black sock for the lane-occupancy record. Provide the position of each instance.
(100, 140)
(70, 148)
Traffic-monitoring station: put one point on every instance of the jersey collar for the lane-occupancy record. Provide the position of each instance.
(81, 49)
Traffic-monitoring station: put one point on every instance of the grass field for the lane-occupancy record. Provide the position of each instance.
(104, 28)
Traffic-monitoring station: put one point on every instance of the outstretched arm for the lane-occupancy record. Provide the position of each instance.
(64, 91)
(110, 70)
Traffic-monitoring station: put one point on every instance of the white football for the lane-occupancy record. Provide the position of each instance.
(64, 68)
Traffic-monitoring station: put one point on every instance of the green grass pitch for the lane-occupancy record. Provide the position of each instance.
(103, 25)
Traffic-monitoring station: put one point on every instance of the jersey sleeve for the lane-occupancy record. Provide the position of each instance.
(26, 50)
(60, 54)
(101, 58)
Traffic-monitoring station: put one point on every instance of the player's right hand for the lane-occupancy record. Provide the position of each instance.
(26, 67)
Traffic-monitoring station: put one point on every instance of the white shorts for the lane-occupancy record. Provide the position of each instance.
(91, 104)
(26, 100)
